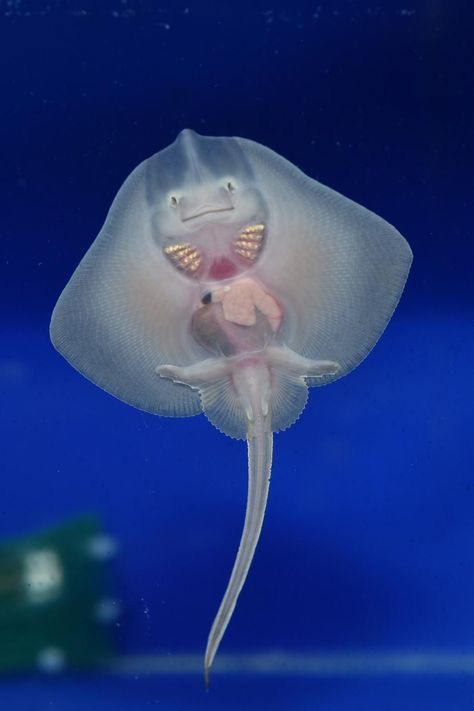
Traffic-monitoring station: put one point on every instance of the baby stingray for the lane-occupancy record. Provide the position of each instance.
(224, 280)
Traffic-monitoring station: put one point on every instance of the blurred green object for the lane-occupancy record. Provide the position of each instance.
(53, 611)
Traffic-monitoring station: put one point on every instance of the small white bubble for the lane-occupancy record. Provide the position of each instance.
(51, 660)
(102, 547)
(107, 610)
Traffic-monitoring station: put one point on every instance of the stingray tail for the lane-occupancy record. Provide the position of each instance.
(260, 446)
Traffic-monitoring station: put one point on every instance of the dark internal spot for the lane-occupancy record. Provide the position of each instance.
(210, 330)
(207, 298)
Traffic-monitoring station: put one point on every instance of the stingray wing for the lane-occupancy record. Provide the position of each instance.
(126, 310)
(338, 269)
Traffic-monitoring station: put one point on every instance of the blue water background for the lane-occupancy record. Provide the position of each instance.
(368, 539)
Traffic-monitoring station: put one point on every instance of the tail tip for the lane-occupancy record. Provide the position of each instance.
(206, 677)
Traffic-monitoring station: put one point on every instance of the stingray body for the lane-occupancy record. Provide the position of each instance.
(225, 280)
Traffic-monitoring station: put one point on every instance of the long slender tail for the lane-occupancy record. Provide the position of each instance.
(254, 396)
(260, 445)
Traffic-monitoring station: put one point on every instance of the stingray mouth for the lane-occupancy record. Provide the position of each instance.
(210, 211)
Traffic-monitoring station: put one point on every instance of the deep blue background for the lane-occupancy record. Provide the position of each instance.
(368, 538)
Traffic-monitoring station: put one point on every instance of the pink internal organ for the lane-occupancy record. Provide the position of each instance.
(241, 300)
(222, 337)
(236, 319)
(222, 268)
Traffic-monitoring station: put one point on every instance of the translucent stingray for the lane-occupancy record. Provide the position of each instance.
(224, 280)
